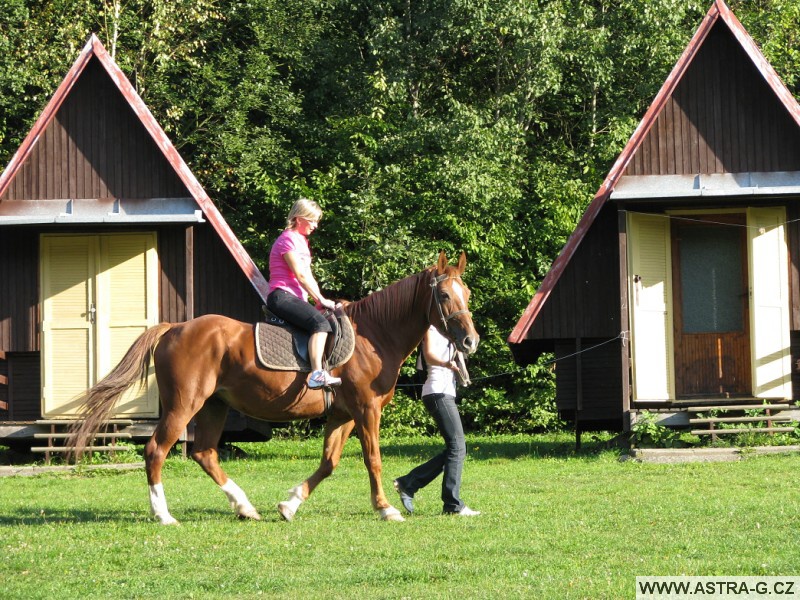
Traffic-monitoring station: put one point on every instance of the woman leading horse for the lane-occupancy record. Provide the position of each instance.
(208, 365)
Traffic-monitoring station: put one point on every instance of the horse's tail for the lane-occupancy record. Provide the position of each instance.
(98, 401)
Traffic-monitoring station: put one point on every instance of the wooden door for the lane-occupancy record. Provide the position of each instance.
(769, 318)
(711, 306)
(99, 292)
(68, 335)
(650, 296)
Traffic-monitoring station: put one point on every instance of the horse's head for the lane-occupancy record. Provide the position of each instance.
(449, 311)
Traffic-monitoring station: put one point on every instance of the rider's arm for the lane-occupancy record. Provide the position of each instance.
(304, 276)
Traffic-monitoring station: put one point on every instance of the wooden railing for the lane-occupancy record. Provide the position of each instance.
(769, 415)
(58, 433)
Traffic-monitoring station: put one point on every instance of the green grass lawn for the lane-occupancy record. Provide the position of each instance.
(555, 524)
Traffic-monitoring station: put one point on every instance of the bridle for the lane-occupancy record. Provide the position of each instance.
(435, 281)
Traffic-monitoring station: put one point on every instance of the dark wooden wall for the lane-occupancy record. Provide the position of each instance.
(584, 310)
(19, 289)
(589, 384)
(585, 302)
(172, 274)
(96, 147)
(24, 387)
(220, 286)
(722, 118)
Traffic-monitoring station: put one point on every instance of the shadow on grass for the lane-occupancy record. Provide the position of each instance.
(488, 448)
(478, 447)
(45, 516)
(134, 516)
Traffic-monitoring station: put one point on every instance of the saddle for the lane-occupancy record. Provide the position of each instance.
(284, 347)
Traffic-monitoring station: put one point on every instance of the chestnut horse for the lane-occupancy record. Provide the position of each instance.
(207, 365)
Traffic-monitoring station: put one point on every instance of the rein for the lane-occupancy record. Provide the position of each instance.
(435, 281)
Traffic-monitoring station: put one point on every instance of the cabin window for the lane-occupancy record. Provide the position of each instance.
(711, 277)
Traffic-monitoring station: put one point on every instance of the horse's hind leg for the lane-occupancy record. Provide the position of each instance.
(337, 430)
(209, 423)
(166, 434)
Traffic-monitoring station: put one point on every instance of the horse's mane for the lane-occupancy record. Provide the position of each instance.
(384, 305)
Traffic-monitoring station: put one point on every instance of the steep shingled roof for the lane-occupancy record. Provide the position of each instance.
(719, 11)
(94, 48)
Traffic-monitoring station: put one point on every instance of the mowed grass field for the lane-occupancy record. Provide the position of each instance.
(555, 524)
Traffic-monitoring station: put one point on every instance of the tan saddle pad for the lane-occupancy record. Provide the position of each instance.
(277, 346)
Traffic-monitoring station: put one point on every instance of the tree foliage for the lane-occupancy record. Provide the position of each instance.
(419, 125)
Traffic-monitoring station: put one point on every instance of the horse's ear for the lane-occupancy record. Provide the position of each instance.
(462, 263)
(442, 264)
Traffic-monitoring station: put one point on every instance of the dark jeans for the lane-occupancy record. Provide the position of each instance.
(296, 311)
(443, 409)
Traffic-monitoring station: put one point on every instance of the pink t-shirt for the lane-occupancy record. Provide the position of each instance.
(280, 275)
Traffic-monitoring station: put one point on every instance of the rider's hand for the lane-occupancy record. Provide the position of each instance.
(325, 303)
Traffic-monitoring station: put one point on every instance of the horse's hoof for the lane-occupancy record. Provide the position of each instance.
(391, 514)
(167, 520)
(249, 513)
(287, 512)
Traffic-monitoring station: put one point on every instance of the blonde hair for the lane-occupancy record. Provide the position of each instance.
(308, 209)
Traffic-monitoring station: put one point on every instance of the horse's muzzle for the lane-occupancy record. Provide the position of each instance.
(469, 344)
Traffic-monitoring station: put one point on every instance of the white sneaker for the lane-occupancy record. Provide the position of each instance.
(322, 378)
(466, 511)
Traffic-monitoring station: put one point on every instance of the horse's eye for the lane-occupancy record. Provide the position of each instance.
(444, 296)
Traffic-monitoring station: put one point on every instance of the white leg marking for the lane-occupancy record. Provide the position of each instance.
(239, 502)
(391, 514)
(289, 507)
(158, 504)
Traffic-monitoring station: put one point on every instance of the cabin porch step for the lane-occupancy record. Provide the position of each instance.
(71, 448)
(108, 436)
(773, 418)
(769, 418)
(742, 430)
(103, 434)
(722, 407)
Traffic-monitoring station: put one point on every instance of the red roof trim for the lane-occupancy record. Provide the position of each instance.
(718, 10)
(95, 48)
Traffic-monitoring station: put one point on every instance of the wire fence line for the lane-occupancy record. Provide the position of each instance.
(623, 335)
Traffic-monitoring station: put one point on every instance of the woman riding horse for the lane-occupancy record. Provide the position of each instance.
(207, 365)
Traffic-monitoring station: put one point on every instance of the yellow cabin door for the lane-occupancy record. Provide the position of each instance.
(98, 293)
(650, 295)
(769, 289)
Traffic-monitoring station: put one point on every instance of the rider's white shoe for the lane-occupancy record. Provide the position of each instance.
(322, 378)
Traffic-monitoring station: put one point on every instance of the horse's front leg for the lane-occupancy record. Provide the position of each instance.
(369, 433)
(337, 430)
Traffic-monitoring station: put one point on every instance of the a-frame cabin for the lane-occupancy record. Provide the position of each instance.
(680, 282)
(104, 231)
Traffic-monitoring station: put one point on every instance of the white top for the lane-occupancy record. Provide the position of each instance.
(440, 380)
